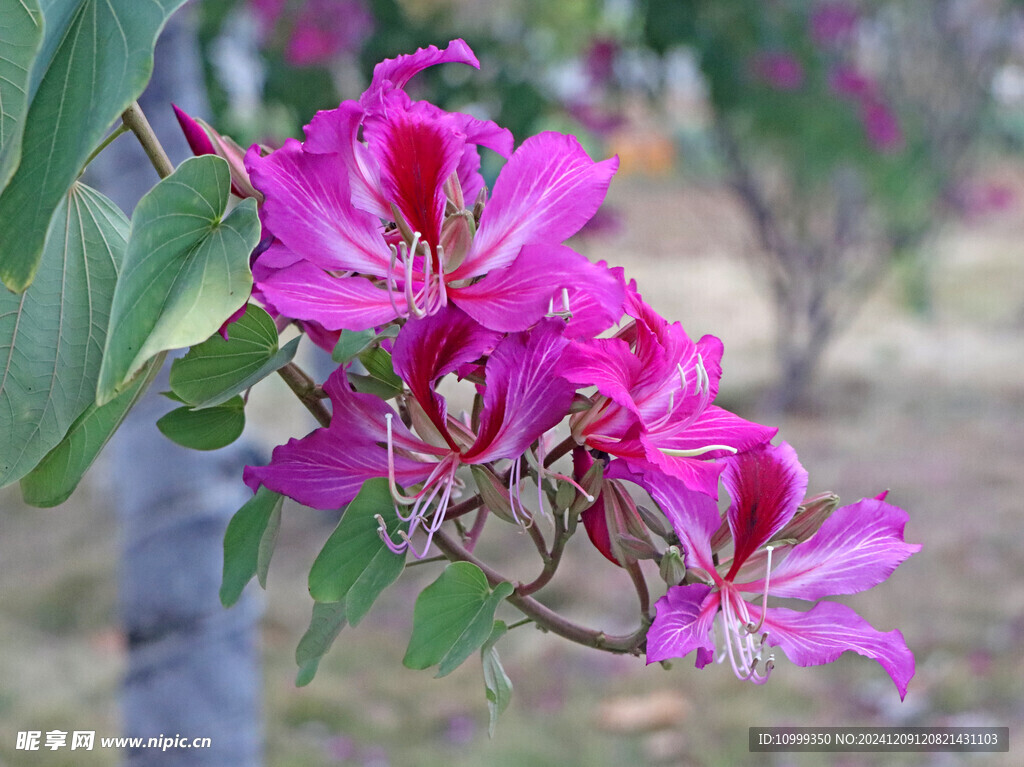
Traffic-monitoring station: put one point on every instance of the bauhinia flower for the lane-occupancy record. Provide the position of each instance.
(384, 207)
(523, 397)
(857, 547)
(653, 408)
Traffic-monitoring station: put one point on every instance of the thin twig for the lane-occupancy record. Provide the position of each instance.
(137, 123)
(120, 129)
(305, 389)
(544, 616)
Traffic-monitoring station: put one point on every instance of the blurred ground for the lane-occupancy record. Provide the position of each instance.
(928, 407)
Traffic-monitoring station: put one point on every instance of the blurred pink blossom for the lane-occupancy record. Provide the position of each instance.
(781, 71)
(321, 29)
(831, 22)
(847, 81)
(881, 126)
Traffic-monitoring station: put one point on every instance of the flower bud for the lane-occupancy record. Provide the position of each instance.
(672, 567)
(809, 517)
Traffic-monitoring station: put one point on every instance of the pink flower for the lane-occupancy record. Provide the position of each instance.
(653, 407)
(385, 227)
(848, 82)
(523, 397)
(856, 548)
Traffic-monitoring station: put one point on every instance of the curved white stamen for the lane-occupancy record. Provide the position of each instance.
(390, 282)
(410, 256)
(764, 598)
(398, 497)
(696, 451)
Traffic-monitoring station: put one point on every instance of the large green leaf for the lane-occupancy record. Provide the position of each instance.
(327, 622)
(51, 336)
(20, 35)
(53, 480)
(453, 617)
(209, 429)
(186, 269)
(355, 565)
(216, 370)
(95, 59)
(250, 532)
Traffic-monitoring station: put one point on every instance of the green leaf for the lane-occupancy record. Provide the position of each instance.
(251, 530)
(95, 59)
(355, 565)
(268, 541)
(209, 429)
(352, 343)
(55, 478)
(453, 617)
(20, 37)
(497, 685)
(51, 336)
(186, 269)
(327, 622)
(216, 370)
(380, 380)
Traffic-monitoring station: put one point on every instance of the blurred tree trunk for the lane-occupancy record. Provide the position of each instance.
(193, 667)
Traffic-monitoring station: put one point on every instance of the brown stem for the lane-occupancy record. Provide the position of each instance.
(559, 450)
(551, 561)
(640, 584)
(543, 616)
(137, 123)
(305, 389)
(477, 529)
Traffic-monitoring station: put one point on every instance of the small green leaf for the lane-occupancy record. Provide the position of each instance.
(95, 58)
(355, 565)
(186, 269)
(51, 336)
(351, 343)
(453, 617)
(380, 379)
(55, 478)
(216, 370)
(327, 622)
(209, 429)
(497, 685)
(245, 540)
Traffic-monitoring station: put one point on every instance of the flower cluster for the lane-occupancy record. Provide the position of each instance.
(380, 222)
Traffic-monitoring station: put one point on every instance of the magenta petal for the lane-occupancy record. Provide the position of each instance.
(683, 623)
(714, 426)
(336, 131)
(698, 475)
(395, 73)
(308, 207)
(416, 154)
(305, 292)
(606, 363)
(856, 548)
(525, 395)
(198, 140)
(327, 468)
(368, 414)
(829, 629)
(516, 297)
(546, 192)
(433, 346)
(694, 517)
(766, 486)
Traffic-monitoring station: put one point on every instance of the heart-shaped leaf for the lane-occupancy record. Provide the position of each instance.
(453, 617)
(186, 269)
(52, 335)
(217, 369)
